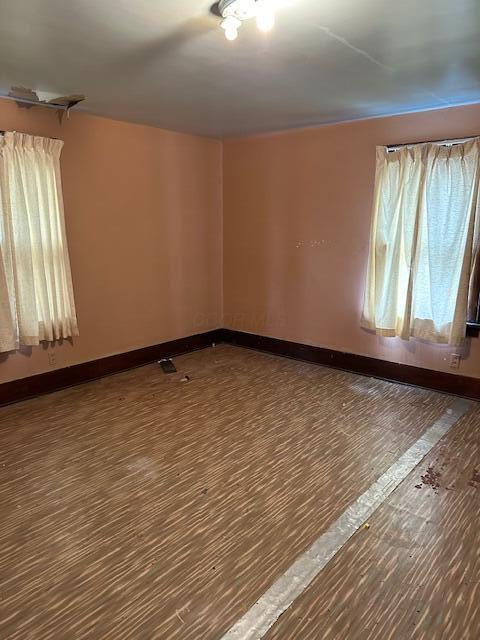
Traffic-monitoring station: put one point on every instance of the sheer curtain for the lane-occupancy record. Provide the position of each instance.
(36, 293)
(424, 241)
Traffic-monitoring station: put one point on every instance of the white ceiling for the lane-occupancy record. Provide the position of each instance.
(167, 63)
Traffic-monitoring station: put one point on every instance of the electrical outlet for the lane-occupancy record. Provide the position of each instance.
(455, 360)
(52, 359)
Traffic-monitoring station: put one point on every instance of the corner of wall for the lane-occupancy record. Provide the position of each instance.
(222, 237)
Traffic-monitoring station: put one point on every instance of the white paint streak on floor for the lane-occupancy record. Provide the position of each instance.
(281, 595)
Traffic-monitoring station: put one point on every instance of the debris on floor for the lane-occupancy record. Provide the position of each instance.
(366, 525)
(182, 611)
(168, 366)
(475, 479)
(185, 379)
(180, 617)
(431, 478)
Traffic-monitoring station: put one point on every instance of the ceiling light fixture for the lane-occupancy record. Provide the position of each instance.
(234, 12)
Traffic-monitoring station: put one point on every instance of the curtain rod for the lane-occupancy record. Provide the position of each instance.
(442, 142)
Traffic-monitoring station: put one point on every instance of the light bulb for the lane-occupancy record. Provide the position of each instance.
(231, 33)
(230, 25)
(265, 20)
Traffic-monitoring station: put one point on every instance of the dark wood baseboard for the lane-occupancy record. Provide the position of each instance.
(24, 388)
(17, 390)
(406, 374)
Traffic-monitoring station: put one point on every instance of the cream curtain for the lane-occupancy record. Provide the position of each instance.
(36, 293)
(423, 239)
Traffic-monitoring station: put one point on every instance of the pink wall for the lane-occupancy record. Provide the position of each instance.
(143, 212)
(297, 209)
(144, 223)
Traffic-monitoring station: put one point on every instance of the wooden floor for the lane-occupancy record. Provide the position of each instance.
(142, 507)
(415, 573)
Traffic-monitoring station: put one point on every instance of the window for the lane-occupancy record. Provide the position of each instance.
(423, 269)
(36, 293)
